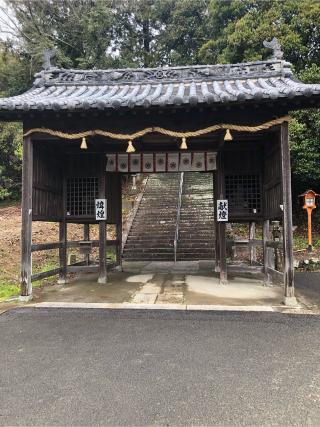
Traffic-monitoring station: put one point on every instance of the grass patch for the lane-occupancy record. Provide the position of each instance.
(112, 256)
(8, 290)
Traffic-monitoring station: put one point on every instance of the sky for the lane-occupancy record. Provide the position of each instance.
(4, 20)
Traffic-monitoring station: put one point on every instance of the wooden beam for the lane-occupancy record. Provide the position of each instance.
(70, 244)
(45, 246)
(102, 226)
(45, 274)
(289, 297)
(26, 228)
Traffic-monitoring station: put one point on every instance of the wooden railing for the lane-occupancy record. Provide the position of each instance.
(176, 234)
(273, 253)
(71, 268)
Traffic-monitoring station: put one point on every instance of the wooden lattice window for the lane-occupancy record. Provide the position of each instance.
(243, 193)
(81, 194)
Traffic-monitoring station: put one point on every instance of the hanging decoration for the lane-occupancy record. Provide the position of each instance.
(163, 131)
(130, 148)
(228, 136)
(161, 162)
(83, 145)
(183, 145)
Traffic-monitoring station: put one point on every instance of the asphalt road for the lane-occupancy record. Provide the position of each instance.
(308, 288)
(100, 367)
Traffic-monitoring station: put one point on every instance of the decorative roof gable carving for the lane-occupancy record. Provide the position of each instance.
(165, 75)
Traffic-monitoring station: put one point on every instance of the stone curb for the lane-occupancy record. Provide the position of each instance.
(133, 306)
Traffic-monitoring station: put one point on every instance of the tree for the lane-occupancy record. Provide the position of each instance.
(10, 160)
(238, 28)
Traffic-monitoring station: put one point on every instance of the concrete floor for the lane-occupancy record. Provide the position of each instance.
(163, 283)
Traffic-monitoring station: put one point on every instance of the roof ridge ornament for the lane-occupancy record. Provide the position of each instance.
(275, 46)
(47, 55)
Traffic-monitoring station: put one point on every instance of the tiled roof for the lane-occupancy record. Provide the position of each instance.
(76, 90)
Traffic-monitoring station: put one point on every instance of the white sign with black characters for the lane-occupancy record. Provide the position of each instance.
(222, 210)
(101, 209)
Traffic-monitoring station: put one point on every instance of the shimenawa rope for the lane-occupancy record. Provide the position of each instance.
(156, 129)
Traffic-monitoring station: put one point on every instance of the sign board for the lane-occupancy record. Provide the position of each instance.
(222, 210)
(101, 209)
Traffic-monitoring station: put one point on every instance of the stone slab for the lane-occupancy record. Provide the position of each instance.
(144, 298)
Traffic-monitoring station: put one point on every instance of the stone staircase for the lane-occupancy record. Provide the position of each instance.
(152, 232)
(196, 229)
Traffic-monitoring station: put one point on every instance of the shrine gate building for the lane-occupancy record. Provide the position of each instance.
(84, 128)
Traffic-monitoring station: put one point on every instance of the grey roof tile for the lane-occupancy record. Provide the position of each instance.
(59, 89)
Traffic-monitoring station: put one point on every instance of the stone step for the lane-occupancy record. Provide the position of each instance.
(149, 257)
(152, 244)
(149, 250)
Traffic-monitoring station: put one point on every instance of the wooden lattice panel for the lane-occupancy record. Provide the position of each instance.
(244, 193)
(81, 194)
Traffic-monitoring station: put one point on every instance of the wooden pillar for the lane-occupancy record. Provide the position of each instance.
(221, 225)
(63, 252)
(63, 238)
(102, 227)
(26, 211)
(288, 270)
(86, 236)
(217, 237)
(252, 236)
(266, 250)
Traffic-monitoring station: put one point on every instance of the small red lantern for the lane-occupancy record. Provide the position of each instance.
(309, 205)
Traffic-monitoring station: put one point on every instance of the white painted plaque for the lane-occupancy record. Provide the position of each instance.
(101, 209)
(222, 210)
